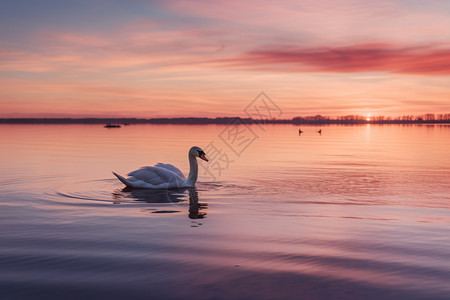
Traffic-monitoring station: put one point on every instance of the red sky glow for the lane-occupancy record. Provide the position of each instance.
(180, 58)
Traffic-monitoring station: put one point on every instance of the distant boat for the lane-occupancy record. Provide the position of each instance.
(112, 126)
(300, 131)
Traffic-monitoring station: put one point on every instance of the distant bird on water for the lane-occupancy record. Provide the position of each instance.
(320, 131)
(109, 125)
(300, 131)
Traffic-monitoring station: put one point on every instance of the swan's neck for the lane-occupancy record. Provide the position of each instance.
(193, 171)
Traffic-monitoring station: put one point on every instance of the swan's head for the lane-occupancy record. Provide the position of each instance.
(197, 152)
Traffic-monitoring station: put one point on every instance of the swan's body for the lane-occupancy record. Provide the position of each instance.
(165, 176)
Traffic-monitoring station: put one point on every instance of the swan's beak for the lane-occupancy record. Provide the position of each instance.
(202, 156)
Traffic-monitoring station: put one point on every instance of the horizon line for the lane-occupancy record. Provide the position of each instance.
(317, 119)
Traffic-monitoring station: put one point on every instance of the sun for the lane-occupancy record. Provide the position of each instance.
(368, 119)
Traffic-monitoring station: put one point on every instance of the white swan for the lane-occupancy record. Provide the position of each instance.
(165, 176)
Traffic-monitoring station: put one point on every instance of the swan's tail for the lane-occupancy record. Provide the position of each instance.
(121, 178)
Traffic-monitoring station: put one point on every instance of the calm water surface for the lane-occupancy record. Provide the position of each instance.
(358, 212)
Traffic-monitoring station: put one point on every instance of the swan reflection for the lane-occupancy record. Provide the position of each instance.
(195, 208)
(151, 196)
(175, 196)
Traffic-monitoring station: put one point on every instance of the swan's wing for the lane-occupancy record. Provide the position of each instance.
(155, 177)
(171, 168)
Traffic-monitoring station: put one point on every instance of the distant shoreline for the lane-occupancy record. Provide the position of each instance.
(205, 121)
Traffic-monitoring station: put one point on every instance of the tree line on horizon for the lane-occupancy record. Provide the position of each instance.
(359, 119)
(317, 119)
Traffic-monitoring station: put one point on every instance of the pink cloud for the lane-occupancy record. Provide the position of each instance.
(426, 60)
(142, 49)
(323, 22)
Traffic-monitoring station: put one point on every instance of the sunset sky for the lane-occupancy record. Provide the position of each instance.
(174, 58)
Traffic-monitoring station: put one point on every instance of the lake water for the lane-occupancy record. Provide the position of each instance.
(356, 212)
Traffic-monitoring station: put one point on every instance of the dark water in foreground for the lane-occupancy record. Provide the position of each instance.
(358, 212)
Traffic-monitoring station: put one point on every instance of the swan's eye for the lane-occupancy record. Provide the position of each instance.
(200, 153)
